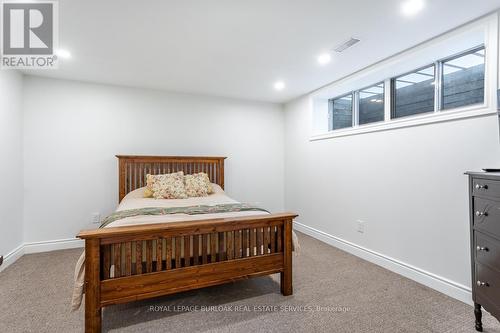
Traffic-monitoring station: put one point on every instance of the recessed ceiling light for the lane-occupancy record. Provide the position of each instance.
(324, 58)
(279, 85)
(63, 54)
(412, 7)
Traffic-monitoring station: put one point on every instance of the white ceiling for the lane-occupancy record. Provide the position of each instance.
(239, 48)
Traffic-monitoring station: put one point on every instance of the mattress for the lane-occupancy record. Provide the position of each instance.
(136, 200)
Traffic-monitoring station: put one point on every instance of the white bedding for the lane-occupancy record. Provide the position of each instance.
(135, 199)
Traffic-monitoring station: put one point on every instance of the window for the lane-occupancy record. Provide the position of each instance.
(340, 112)
(413, 93)
(450, 83)
(371, 104)
(463, 80)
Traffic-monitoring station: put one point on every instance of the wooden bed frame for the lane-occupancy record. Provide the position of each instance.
(125, 264)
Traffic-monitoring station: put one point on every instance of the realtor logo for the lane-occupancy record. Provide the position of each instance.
(29, 34)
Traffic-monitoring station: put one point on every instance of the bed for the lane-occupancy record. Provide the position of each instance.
(143, 257)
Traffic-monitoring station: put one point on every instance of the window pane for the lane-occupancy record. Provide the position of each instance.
(414, 93)
(463, 80)
(371, 104)
(340, 110)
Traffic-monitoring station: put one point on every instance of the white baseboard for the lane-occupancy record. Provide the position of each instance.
(439, 283)
(12, 256)
(36, 247)
(53, 245)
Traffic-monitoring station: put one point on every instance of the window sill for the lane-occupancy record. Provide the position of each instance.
(429, 118)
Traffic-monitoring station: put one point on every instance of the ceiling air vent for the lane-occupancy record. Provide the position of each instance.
(342, 47)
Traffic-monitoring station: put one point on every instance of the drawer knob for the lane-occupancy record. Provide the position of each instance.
(481, 187)
(482, 284)
(482, 248)
(479, 213)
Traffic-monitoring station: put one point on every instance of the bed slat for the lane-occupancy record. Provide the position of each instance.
(222, 248)
(117, 249)
(149, 256)
(253, 241)
(196, 249)
(259, 241)
(128, 259)
(244, 243)
(106, 261)
(273, 239)
(187, 250)
(138, 257)
(280, 238)
(204, 249)
(168, 255)
(230, 245)
(266, 240)
(213, 247)
(237, 243)
(177, 251)
(159, 254)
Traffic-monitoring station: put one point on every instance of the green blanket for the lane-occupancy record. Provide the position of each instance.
(190, 210)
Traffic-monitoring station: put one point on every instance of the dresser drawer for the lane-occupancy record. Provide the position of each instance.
(486, 187)
(487, 288)
(487, 251)
(487, 216)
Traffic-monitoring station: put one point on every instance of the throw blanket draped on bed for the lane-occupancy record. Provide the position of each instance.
(190, 210)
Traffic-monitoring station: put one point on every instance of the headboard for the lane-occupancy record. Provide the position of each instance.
(133, 169)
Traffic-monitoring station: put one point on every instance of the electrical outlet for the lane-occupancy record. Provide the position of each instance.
(360, 226)
(95, 218)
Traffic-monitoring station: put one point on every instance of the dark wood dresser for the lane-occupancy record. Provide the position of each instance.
(484, 192)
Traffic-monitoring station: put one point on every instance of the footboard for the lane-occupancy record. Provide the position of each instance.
(125, 264)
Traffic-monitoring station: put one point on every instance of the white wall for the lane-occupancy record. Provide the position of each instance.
(11, 166)
(73, 131)
(407, 184)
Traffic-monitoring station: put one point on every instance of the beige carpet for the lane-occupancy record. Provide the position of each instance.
(353, 296)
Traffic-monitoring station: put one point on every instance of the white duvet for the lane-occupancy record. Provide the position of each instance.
(135, 200)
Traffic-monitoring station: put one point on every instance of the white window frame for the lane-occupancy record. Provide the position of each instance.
(357, 104)
(392, 106)
(439, 78)
(353, 110)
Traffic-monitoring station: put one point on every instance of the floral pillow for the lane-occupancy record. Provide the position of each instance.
(168, 186)
(198, 185)
(148, 191)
